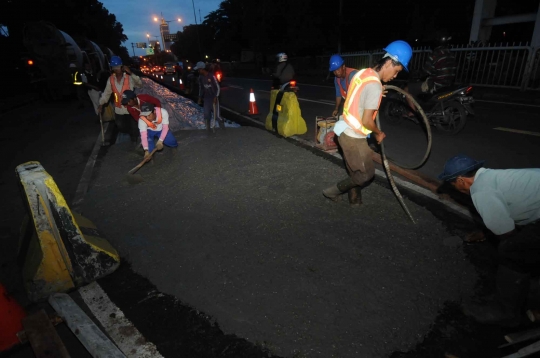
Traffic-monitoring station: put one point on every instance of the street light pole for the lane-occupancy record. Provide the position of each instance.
(133, 48)
(197, 28)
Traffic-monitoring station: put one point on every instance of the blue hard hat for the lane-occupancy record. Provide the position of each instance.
(335, 62)
(116, 61)
(400, 51)
(459, 165)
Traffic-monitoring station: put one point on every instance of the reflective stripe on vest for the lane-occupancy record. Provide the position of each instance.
(150, 124)
(117, 94)
(343, 91)
(75, 82)
(351, 114)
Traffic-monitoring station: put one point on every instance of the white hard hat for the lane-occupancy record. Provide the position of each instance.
(282, 57)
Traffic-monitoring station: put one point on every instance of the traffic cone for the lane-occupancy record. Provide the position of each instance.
(252, 104)
(12, 314)
(181, 84)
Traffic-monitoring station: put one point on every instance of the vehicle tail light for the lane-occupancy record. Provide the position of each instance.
(293, 83)
(469, 89)
(218, 75)
(30, 62)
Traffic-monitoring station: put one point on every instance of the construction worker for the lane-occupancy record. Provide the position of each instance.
(77, 80)
(154, 123)
(90, 81)
(133, 102)
(284, 72)
(509, 203)
(209, 89)
(122, 79)
(358, 121)
(343, 79)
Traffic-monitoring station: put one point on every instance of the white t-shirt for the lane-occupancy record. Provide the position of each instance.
(369, 99)
(505, 198)
(164, 120)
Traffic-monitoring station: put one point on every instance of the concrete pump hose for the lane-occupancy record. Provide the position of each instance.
(391, 177)
(427, 126)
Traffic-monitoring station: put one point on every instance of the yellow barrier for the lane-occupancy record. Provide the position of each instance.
(58, 249)
(290, 121)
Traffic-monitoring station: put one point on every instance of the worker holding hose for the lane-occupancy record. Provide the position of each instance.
(358, 121)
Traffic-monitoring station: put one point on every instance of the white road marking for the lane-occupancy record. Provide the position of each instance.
(517, 131)
(126, 336)
(509, 103)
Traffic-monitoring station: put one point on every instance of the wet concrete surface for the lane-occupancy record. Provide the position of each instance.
(235, 225)
(229, 249)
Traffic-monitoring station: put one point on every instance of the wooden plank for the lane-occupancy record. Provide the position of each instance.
(92, 338)
(45, 342)
(525, 351)
(519, 337)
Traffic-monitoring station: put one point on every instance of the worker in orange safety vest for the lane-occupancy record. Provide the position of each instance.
(122, 79)
(342, 81)
(358, 121)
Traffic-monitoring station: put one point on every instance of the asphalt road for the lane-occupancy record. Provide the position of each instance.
(504, 135)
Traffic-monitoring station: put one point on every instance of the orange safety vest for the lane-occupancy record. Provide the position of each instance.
(351, 107)
(348, 72)
(150, 124)
(118, 94)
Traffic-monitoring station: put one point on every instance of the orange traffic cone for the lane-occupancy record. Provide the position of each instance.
(252, 104)
(12, 314)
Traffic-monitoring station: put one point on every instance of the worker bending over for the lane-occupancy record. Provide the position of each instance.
(154, 123)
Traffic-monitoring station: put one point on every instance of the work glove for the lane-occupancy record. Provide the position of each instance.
(425, 86)
(159, 145)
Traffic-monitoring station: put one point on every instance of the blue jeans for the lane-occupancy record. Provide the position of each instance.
(169, 140)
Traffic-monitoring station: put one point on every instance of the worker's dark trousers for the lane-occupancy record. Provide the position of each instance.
(211, 112)
(521, 251)
(358, 159)
(126, 124)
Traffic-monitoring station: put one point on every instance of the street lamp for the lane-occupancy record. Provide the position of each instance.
(164, 28)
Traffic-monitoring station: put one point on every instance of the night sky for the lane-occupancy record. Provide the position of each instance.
(137, 16)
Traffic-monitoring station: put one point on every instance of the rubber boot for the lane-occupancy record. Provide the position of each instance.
(506, 309)
(355, 197)
(335, 191)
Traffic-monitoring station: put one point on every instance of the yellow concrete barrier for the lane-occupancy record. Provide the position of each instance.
(289, 116)
(58, 249)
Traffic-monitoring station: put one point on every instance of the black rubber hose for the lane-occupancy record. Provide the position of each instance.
(390, 176)
(426, 123)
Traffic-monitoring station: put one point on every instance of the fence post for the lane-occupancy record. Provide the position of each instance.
(528, 68)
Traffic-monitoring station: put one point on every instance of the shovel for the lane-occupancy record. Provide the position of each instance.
(147, 159)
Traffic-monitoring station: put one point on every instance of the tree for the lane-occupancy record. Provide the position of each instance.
(78, 18)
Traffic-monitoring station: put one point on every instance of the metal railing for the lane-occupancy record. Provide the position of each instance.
(492, 65)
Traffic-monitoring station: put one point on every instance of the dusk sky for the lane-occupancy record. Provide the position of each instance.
(137, 16)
